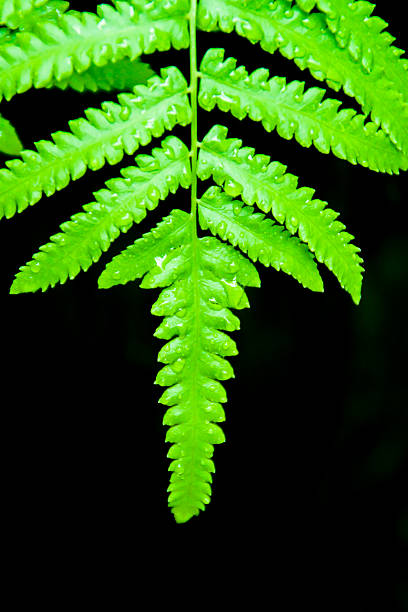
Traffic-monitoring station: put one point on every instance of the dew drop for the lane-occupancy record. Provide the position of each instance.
(178, 365)
(221, 227)
(125, 113)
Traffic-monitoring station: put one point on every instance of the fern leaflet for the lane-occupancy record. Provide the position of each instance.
(295, 113)
(364, 37)
(258, 236)
(120, 76)
(105, 136)
(255, 211)
(203, 280)
(266, 184)
(13, 12)
(123, 203)
(308, 41)
(55, 51)
(9, 141)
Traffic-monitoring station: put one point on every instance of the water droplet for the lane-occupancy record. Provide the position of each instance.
(221, 228)
(261, 254)
(232, 187)
(125, 113)
(178, 468)
(215, 306)
(178, 365)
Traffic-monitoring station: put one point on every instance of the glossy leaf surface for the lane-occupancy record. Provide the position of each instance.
(202, 254)
(273, 190)
(202, 279)
(103, 137)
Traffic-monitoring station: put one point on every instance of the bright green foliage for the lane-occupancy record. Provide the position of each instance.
(105, 136)
(9, 141)
(203, 279)
(364, 37)
(27, 22)
(258, 236)
(307, 39)
(124, 202)
(296, 113)
(255, 205)
(268, 186)
(146, 252)
(13, 12)
(121, 76)
(54, 52)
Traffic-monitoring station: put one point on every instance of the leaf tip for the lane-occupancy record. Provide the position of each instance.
(183, 515)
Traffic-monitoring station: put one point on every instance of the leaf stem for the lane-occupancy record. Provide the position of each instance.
(193, 98)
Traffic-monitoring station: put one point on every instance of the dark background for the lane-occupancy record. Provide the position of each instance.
(312, 474)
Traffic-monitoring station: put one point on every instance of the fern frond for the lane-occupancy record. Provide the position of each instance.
(54, 51)
(258, 236)
(141, 256)
(109, 133)
(51, 12)
(201, 297)
(12, 12)
(364, 37)
(202, 279)
(266, 184)
(306, 39)
(296, 113)
(123, 75)
(9, 141)
(124, 202)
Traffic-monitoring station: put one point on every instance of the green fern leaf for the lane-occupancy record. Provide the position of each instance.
(13, 12)
(140, 257)
(306, 5)
(258, 236)
(306, 39)
(365, 39)
(50, 12)
(296, 113)
(203, 279)
(198, 300)
(106, 136)
(53, 52)
(116, 208)
(123, 75)
(267, 185)
(9, 141)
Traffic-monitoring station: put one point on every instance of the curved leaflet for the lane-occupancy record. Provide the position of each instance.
(104, 137)
(202, 258)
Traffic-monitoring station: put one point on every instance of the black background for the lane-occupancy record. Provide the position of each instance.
(310, 490)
